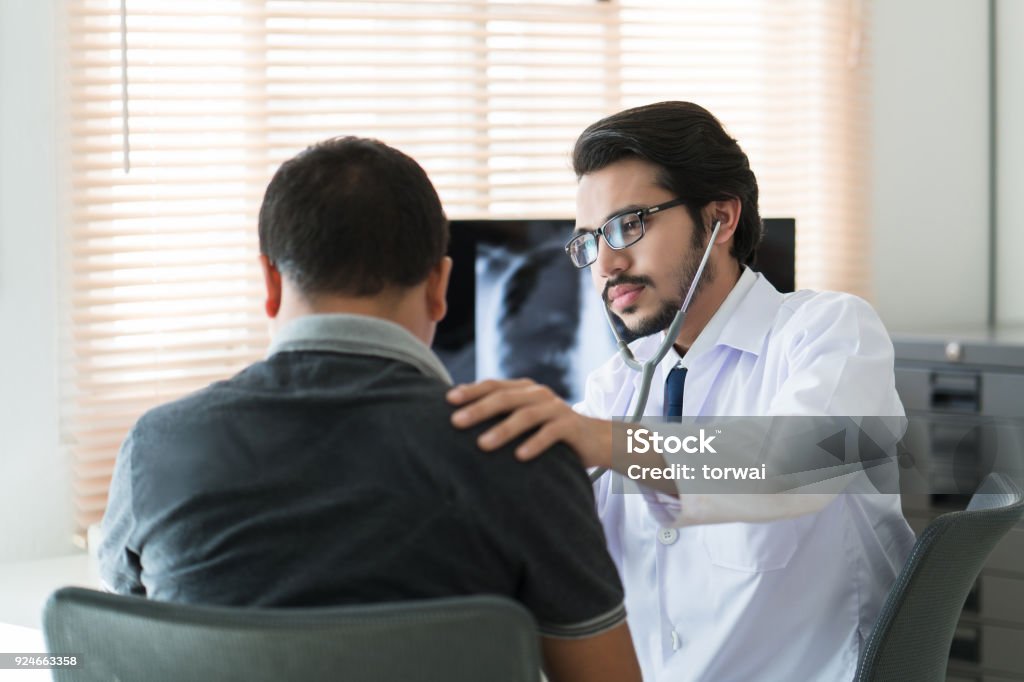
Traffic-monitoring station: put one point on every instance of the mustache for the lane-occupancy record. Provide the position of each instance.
(640, 280)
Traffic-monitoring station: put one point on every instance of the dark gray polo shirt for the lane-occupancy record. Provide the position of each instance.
(329, 473)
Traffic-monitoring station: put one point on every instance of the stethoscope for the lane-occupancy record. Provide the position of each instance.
(646, 368)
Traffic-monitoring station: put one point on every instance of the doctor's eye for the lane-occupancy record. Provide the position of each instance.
(630, 228)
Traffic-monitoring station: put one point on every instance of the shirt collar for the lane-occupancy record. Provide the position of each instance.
(358, 335)
(742, 321)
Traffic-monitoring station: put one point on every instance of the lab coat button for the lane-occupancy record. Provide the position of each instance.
(667, 536)
(676, 641)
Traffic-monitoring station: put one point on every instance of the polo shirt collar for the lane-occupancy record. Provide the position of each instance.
(358, 335)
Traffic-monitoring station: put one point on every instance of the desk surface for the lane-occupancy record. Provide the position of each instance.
(15, 639)
(24, 588)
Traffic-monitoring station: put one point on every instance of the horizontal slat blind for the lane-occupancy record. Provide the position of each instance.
(786, 79)
(163, 288)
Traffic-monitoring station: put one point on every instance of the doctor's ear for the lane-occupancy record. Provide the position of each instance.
(727, 212)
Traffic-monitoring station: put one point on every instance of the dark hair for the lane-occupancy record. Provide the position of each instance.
(352, 216)
(699, 161)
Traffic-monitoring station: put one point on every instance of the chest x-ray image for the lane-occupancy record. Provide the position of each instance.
(518, 308)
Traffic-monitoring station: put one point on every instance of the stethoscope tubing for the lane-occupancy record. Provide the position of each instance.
(647, 367)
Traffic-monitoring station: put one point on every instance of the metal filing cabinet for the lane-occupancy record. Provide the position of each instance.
(964, 395)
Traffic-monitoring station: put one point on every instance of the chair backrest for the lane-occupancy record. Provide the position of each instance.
(911, 639)
(130, 638)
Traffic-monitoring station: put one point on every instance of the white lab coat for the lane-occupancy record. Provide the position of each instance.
(793, 595)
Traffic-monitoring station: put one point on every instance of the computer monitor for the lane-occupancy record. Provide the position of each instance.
(776, 255)
(517, 307)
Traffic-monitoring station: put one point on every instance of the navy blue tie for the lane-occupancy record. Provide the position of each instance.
(673, 406)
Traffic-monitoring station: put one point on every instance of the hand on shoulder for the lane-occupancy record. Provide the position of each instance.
(529, 406)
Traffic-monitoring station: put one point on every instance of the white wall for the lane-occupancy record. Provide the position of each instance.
(35, 505)
(930, 168)
(1010, 161)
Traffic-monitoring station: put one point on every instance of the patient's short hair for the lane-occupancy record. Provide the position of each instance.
(352, 216)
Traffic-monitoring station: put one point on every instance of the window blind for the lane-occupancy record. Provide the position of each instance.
(180, 111)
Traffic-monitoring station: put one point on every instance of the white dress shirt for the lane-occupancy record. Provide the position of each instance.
(792, 591)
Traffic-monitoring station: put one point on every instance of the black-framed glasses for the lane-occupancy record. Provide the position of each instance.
(619, 232)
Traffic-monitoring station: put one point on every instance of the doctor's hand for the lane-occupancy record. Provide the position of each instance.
(528, 406)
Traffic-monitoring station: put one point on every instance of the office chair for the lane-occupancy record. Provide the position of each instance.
(134, 639)
(911, 638)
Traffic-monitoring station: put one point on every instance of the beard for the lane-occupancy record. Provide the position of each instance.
(666, 313)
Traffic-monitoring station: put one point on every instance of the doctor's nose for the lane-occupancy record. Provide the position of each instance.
(609, 261)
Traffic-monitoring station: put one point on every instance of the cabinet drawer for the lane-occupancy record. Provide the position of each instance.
(1002, 649)
(1002, 599)
(1001, 394)
(1008, 555)
(914, 388)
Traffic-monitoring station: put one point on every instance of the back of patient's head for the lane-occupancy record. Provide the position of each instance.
(354, 217)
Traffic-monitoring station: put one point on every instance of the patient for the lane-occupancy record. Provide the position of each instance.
(329, 473)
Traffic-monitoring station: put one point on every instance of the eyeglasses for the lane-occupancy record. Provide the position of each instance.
(619, 232)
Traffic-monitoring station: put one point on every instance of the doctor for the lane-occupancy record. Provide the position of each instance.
(718, 587)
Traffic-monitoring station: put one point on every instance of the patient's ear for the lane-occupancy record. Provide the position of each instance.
(272, 283)
(437, 289)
